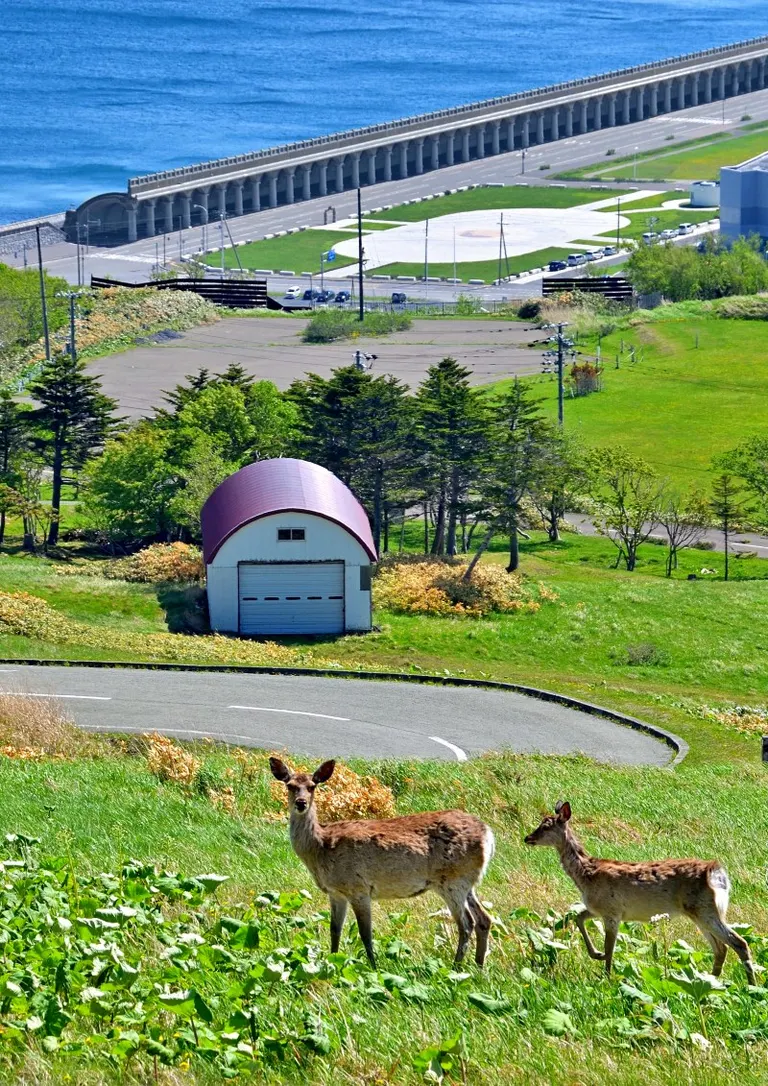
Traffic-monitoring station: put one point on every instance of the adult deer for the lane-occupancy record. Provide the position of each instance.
(616, 891)
(359, 862)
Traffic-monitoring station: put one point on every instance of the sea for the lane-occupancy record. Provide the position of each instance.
(93, 92)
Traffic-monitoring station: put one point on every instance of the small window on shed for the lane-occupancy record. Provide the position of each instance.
(365, 578)
(285, 535)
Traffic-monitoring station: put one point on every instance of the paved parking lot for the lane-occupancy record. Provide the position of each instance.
(271, 348)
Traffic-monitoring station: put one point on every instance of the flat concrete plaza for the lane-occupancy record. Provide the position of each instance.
(270, 348)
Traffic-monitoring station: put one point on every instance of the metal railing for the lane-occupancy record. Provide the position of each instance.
(147, 181)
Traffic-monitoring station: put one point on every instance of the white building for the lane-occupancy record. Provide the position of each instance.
(288, 550)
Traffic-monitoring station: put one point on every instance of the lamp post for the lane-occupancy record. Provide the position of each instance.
(618, 222)
(204, 239)
(634, 165)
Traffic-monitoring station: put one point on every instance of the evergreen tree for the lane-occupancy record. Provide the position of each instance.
(452, 426)
(729, 506)
(13, 440)
(72, 420)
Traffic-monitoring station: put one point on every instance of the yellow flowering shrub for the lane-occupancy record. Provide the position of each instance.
(345, 796)
(749, 719)
(159, 562)
(432, 587)
(170, 762)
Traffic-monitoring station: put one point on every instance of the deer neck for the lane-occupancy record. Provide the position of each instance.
(306, 833)
(574, 858)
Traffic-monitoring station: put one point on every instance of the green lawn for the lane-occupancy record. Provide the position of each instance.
(665, 220)
(482, 199)
(487, 270)
(294, 252)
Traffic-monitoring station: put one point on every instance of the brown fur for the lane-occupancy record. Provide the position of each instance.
(359, 862)
(617, 891)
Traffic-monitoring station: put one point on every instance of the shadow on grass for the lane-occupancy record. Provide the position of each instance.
(185, 607)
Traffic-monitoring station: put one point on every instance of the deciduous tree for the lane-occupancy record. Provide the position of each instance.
(629, 496)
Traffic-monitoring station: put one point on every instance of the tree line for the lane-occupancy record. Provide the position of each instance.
(457, 457)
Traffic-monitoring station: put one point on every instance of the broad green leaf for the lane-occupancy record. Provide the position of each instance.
(558, 1023)
(211, 882)
(635, 994)
(416, 993)
(489, 1004)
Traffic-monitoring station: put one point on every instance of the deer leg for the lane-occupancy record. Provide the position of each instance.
(720, 930)
(482, 927)
(611, 931)
(718, 949)
(455, 897)
(581, 918)
(361, 906)
(338, 915)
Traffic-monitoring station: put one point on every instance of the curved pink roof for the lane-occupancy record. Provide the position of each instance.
(281, 486)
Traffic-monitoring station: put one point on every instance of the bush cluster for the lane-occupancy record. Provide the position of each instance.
(328, 325)
(346, 796)
(167, 563)
(431, 587)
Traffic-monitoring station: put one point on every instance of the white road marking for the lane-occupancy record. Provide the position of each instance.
(290, 712)
(77, 697)
(460, 754)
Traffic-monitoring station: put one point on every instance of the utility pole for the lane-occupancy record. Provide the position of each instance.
(71, 295)
(43, 301)
(221, 240)
(360, 254)
(618, 222)
(426, 258)
(563, 345)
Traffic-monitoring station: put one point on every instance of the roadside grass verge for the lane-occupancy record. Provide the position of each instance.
(484, 199)
(293, 252)
(264, 999)
(487, 270)
(663, 220)
(601, 168)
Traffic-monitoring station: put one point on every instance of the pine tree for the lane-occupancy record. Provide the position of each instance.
(13, 439)
(452, 421)
(71, 422)
(729, 505)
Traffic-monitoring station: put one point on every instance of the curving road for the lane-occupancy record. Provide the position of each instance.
(325, 717)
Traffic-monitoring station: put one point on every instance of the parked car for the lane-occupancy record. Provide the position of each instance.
(326, 296)
(594, 254)
(575, 259)
(649, 238)
(398, 298)
(342, 297)
(292, 292)
(610, 250)
(665, 235)
(311, 295)
(685, 228)
(557, 265)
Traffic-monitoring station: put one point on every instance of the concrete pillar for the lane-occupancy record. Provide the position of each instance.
(150, 217)
(404, 159)
(653, 94)
(355, 156)
(598, 112)
(480, 132)
(681, 92)
(465, 145)
(705, 86)
(539, 128)
(511, 134)
(168, 214)
(306, 183)
(255, 194)
(525, 133)
(238, 187)
(583, 123)
(626, 107)
(133, 232)
(339, 174)
(272, 189)
(569, 120)
(495, 138)
(760, 74)
(434, 152)
(668, 96)
(371, 170)
(290, 186)
(388, 163)
(186, 210)
(222, 191)
(721, 83)
(322, 178)
(450, 143)
(695, 89)
(554, 124)
(202, 204)
(419, 147)
(611, 110)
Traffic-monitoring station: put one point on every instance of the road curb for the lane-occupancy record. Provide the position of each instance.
(678, 745)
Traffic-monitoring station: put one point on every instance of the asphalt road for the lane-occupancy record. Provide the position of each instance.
(133, 262)
(324, 718)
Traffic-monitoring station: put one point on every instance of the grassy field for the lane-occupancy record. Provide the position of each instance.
(483, 199)
(665, 220)
(294, 252)
(699, 160)
(487, 270)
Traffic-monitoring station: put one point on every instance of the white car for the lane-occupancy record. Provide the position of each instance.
(594, 254)
(649, 238)
(665, 235)
(685, 228)
(292, 292)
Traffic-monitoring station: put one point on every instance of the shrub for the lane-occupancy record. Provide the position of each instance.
(431, 587)
(346, 796)
(35, 728)
(646, 654)
(170, 762)
(749, 719)
(162, 562)
(328, 325)
(529, 310)
(747, 308)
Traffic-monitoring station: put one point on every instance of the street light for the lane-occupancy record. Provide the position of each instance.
(634, 166)
(204, 225)
(522, 157)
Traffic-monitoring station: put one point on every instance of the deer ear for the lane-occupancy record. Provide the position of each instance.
(563, 810)
(324, 772)
(279, 770)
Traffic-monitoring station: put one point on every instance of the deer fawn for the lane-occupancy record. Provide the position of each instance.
(357, 862)
(617, 891)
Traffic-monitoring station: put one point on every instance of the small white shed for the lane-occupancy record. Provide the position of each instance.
(288, 550)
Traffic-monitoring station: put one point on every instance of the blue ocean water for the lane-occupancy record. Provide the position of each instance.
(96, 91)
